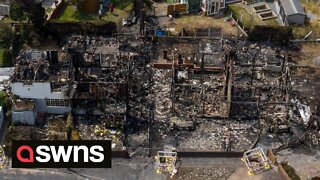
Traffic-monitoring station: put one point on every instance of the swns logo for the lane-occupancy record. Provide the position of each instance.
(61, 154)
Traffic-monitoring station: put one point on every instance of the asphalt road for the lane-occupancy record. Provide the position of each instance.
(34, 174)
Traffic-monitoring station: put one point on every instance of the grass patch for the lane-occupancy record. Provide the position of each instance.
(311, 6)
(272, 22)
(125, 4)
(248, 19)
(193, 22)
(300, 32)
(9, 20)
(71, 14)
(243, 15)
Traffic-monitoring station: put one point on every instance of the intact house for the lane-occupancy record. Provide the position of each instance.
(4, 10)
(44, 76)
(211, 7)
(290, 12)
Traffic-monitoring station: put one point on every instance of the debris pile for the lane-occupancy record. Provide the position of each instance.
(201, 94)
(200, 173)
(99, 128)
(218, 136)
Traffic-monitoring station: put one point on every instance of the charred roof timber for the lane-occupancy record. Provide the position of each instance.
(42, 66)
(172, 86)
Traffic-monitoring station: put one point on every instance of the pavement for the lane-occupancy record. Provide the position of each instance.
(122, 169)
(34, 174)
(142, 168)
(242, 174)
(305, 163)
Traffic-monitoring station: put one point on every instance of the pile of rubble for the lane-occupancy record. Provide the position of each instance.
(140, 101)
(56, 127)
(27, 133)
(162, 94)
(218, 136)
(201, 173)
(198, 94)
(98, 129)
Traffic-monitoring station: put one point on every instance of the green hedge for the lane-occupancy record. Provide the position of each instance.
(4, 100)
(280, 35)
(5, 58)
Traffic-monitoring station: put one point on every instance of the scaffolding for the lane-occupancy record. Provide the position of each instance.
(256, 161)
(166, 162)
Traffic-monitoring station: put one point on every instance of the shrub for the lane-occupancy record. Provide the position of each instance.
(280, 35)
(4, 100)
(6, 60)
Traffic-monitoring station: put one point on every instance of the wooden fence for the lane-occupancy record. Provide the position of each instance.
(283, 173)
(239, 24)
(271, 156)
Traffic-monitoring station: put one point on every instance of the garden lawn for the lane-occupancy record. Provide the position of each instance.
(313, 25)
(71, 14)
(193, 22)
(249, 20)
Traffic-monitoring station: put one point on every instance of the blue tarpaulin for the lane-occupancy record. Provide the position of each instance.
(160, 32)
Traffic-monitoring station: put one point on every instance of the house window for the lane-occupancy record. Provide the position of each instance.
(213, 7)
(27, 83)
(222, 4)
(58, 102)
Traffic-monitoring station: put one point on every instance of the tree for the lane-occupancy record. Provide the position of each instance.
(6, 61)
(148, 4)
(4, 100)
(139, 5)
(16, 12)
(26, 4)
(38, 16)
(6, 34)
